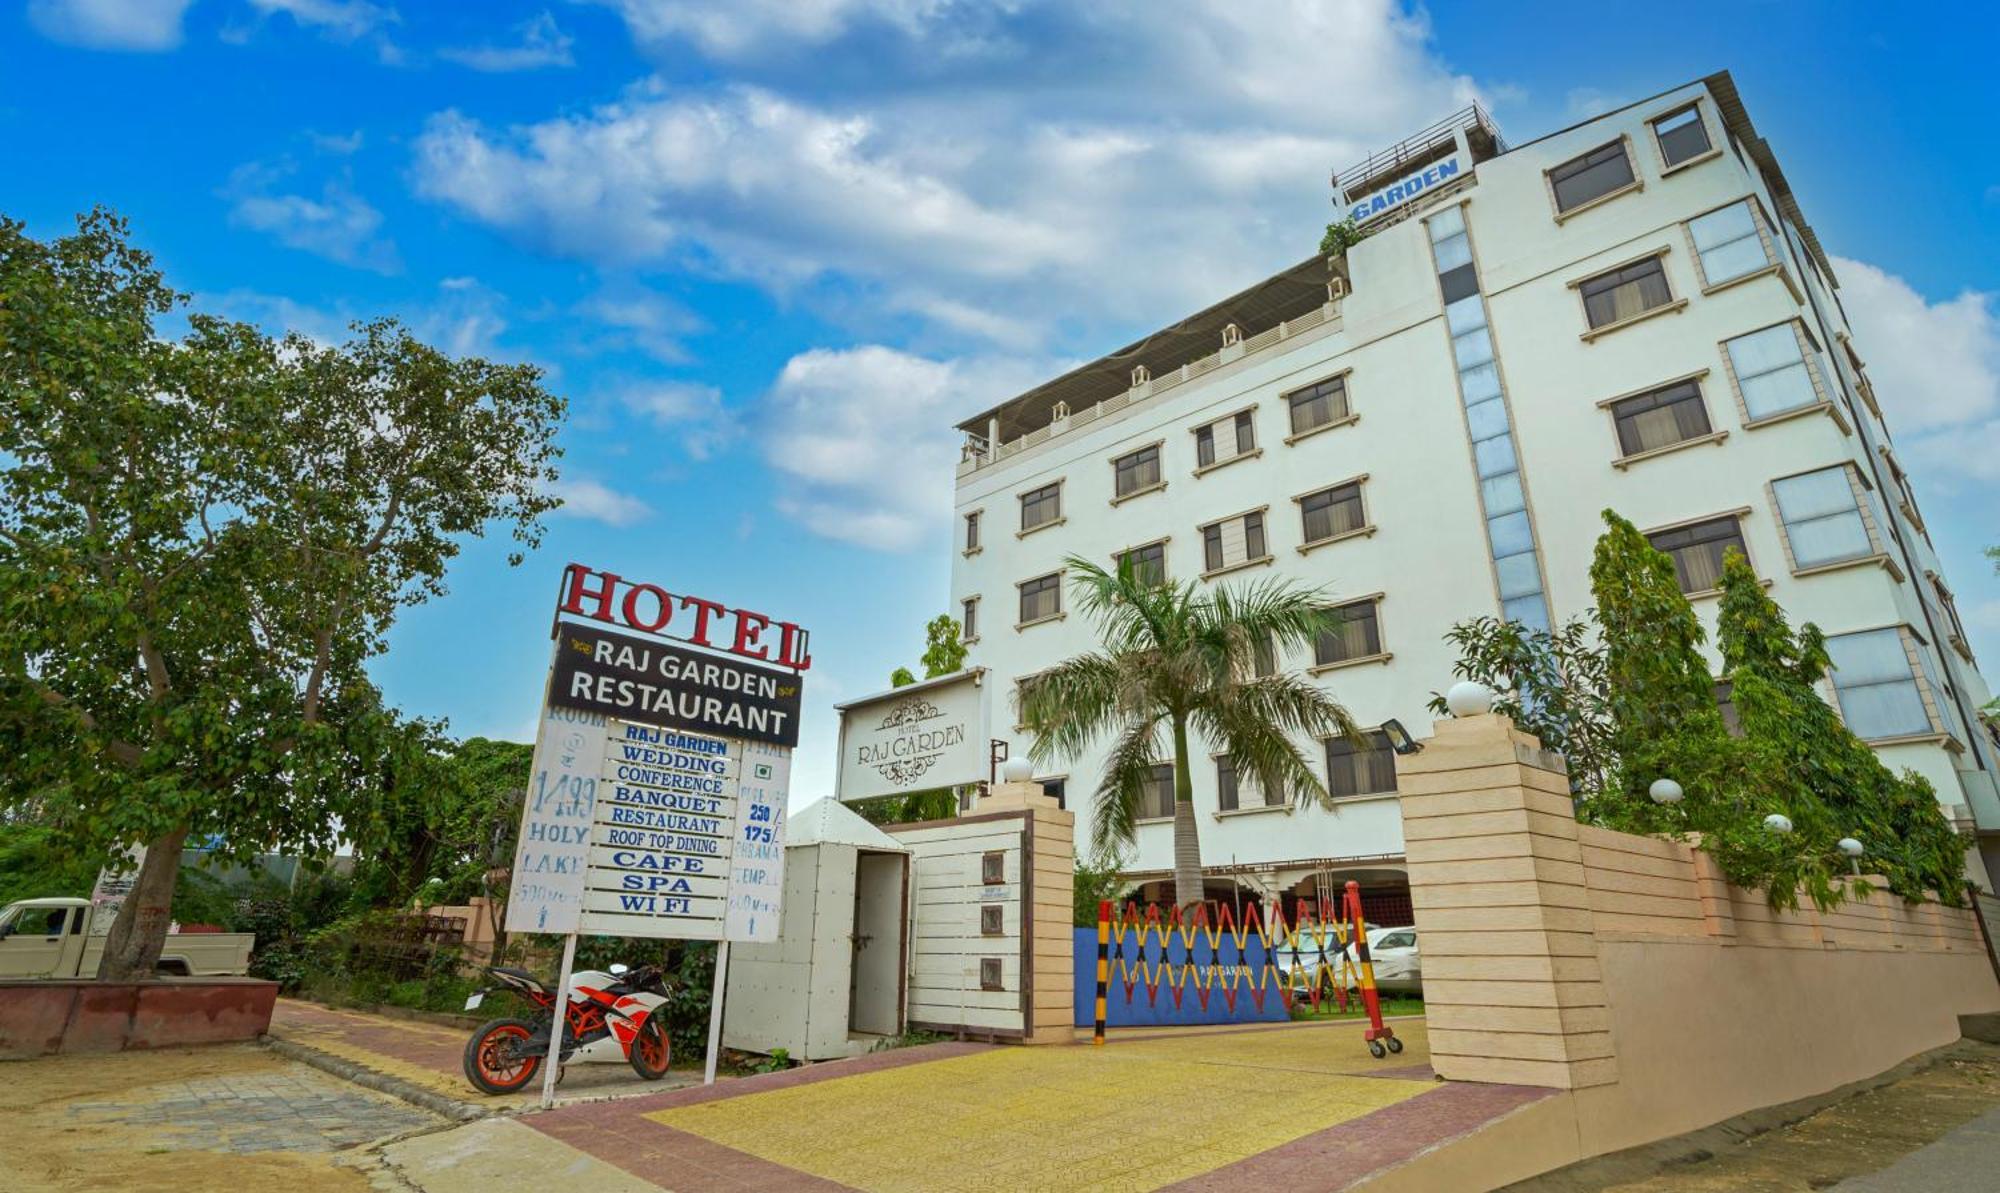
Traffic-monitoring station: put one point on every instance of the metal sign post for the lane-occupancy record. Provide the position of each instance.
(715, 1013)
(553, 1060)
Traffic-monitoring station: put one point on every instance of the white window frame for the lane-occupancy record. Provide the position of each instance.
(1714, 150)
(1213, 425)
(1062, 609)
(1062, 505)
(1249, 561)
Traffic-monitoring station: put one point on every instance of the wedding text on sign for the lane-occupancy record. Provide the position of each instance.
(623, 676)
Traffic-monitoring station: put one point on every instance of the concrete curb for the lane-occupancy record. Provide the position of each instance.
(395, 1087)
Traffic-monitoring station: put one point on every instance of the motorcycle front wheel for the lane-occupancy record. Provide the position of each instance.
(650, 1052)
(493, 1060)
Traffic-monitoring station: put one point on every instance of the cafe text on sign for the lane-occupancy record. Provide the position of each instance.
(651, 609)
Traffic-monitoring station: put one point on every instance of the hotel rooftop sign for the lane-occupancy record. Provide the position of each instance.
(1405, 190)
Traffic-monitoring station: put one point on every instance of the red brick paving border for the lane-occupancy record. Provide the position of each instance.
(1339, 1156)
(619, 1133)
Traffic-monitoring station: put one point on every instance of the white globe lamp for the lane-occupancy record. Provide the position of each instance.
(1778, 823)
(1851, 847)
(1665, 792)
(1017, 770)
(1468, 699)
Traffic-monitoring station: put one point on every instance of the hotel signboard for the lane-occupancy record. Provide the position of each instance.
(656, 801)
(1405, 190)
(918, 737)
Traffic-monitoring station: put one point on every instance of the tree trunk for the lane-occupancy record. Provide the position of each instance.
(140, 931)
(1187, 846)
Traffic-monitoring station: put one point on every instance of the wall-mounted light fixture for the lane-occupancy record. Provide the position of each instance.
(1399, 737)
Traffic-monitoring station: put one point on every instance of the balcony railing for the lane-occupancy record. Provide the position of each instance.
(979, 453)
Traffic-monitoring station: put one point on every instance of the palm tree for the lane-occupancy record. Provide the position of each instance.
(1177, 657)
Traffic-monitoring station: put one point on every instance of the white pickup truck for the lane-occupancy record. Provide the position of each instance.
(64, 938)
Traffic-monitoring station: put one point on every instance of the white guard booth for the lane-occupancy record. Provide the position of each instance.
(834, 982)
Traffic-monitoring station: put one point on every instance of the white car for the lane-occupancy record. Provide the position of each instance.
(1398, 968)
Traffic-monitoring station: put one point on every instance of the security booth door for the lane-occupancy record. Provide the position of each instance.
(876, 990)
(31, 941)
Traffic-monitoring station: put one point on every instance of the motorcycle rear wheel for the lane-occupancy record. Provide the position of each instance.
(651, 1053)
(492, 1060)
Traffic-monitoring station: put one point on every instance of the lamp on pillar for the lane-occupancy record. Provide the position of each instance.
(1468, 699)
(1778, 823)
(1853, 849)
(1665, 792)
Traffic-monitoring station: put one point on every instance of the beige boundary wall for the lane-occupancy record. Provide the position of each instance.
(953, 948)
(1625, 971)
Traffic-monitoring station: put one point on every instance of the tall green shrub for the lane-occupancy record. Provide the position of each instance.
(1664, 720)
(1815, 771)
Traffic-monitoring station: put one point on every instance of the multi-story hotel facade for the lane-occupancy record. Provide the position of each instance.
(1631, 313)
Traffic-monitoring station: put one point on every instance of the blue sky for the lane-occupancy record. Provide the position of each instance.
(771, 250)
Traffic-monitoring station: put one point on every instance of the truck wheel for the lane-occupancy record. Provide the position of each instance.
(650, 1052)
(493, 1060)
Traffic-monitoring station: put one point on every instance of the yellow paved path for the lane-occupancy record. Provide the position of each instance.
(1133, 1115)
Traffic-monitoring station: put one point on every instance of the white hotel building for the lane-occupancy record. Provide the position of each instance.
(1630, 313)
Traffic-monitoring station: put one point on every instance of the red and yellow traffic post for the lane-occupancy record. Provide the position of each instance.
(1380, 1037)
(1103, 965)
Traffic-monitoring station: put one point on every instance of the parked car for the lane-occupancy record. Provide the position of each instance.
(64, 938)
(1393, 951)
(1398, 967)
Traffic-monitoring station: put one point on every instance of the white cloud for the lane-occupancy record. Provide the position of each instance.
(342, 19)
(863, 438)
(110, 24)
(631, 316)
(750, 26)
(584, 498)
(1084, 169)
(336, 224)
(1935, 367)
(693, 412)
(541, 44)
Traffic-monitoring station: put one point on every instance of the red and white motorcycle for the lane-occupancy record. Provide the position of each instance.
(611, 1016)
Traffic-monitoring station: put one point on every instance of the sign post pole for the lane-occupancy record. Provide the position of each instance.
(715, 1012)
(553, 1060)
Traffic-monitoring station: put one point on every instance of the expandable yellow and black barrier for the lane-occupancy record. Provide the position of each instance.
(1306, 957)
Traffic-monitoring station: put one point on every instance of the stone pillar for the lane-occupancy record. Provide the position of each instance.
(1048, 862)
(1512, 990)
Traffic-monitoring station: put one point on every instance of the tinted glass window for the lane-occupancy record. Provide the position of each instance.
(1591, 176)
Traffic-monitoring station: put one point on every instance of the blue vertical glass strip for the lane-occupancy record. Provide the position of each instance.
(1510, 533)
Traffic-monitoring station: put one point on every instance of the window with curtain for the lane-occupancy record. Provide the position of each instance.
(1625, 293)
(1317, 405)
(1878, 691)
(1697, 551)
(1139, 470)
(1358, 636)
(1591, 176)
(1233, 541)
(1041, 597)
(1039, 507)
(1263, 658)
(1650, 421)
(1224, 440)
(1227, 791)
(1149, 563)
(1822, 521)
(971, 619)
(1366, 771)
(972, 531)
(1156, 795)
(1771, 371)
(1729, 243)
(1682, 135)
(1331, 512)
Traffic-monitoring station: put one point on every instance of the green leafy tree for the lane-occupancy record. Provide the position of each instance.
(1815, 771)
(1177, 660)
(943, 654)
(1661, 698)
(1549, 683)
(202, 542)
(1341, 235)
